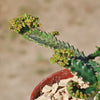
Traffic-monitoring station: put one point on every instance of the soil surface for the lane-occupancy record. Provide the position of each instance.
(23, 64)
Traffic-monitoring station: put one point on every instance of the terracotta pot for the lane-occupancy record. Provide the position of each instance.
(63, 74)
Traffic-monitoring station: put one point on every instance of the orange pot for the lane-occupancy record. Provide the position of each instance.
(53, 78)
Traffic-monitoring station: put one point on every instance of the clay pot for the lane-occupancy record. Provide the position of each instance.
(53, 78)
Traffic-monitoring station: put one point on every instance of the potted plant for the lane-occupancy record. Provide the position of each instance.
(65, 55)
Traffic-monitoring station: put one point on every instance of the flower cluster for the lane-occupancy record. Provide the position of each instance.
(62, 56)
(54, 33)
(78, 93)
(24, 23)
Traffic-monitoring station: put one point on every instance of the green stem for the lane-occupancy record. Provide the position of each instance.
(51, 41)
(95, 54)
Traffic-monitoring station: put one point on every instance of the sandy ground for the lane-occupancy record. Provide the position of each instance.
(24, 64)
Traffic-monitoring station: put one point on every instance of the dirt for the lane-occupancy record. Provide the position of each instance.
(23, 64)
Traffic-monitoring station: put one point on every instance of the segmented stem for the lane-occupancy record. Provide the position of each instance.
(51, 41)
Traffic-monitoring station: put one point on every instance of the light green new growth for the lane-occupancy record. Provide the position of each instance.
(62, 57)
(64, 54)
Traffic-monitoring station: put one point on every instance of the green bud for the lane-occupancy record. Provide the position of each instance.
(52, 61)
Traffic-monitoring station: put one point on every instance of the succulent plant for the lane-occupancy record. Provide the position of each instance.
(64, 54)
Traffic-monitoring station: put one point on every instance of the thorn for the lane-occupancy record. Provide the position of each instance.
(97, 48)
(89, 94)
(88, 83)
(78, 86)
(73, 58)
(95, 73)
(69, 68)
(84, 64)
(77, 93)
(85, 95)
(83, 67)
(99, 87)
(79, 60)
(71, 91)
(74, 94)
(76, 73)
(81, 78)
(91, 68)
(93, 92)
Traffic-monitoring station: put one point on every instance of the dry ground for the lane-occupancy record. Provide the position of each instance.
(24, 64)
